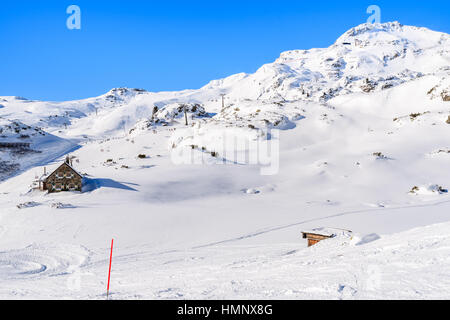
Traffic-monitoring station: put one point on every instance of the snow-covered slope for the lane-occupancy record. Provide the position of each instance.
(363, 146)
(23, 147)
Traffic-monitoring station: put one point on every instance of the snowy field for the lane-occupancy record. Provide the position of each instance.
(359, 138)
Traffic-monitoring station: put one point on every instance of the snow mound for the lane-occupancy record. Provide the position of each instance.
(29, 204)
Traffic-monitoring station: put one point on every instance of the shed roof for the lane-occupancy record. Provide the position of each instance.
(326, 231)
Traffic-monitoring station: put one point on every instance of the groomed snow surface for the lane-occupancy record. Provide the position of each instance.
(359, 136)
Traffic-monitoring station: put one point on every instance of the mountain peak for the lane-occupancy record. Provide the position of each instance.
(390, 32)
(377, 27)
(124, 91)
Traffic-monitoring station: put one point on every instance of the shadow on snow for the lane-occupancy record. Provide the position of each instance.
(94, 184)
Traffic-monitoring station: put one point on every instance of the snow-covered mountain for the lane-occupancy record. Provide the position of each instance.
(367, 58)
(363, 145)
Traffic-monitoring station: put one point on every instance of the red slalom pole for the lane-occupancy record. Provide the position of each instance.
(109, 272)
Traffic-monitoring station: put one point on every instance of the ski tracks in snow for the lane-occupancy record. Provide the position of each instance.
(41, 260)
(286, 226)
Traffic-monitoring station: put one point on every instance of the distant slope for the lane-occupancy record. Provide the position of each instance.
(23, 147)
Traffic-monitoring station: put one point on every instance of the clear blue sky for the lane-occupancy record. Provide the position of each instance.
(171, 45)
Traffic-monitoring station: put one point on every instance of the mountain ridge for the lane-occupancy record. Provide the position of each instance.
(364, 60)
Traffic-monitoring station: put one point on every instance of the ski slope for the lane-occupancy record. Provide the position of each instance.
(360, 138)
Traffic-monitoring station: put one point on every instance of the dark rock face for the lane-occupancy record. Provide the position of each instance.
(368, 86)
(445, 96)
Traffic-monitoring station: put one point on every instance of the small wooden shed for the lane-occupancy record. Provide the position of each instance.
(315, 236)
(318, 234)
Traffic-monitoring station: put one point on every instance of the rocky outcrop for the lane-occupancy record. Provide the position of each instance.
(445, 96)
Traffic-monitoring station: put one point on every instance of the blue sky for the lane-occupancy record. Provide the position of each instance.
(171, 45)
